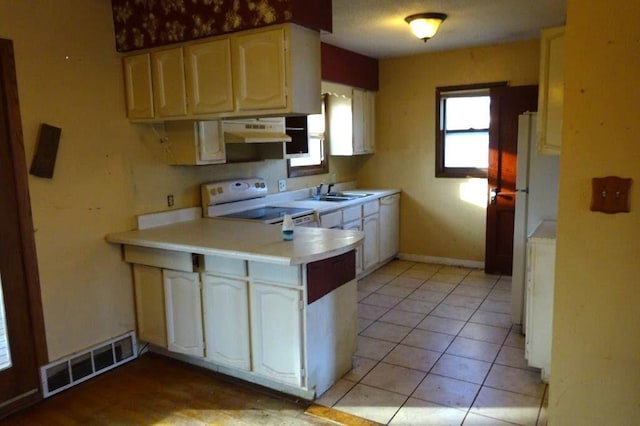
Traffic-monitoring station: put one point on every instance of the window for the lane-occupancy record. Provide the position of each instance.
(314, 160)
(462, 134)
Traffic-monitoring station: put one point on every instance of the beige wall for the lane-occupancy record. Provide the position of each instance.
(435, 220)
(595, 370)
(107, 170)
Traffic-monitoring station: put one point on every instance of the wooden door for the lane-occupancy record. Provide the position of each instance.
(22, 343)
(507, 103)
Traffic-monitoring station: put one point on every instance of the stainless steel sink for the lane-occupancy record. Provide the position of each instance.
(339, 196)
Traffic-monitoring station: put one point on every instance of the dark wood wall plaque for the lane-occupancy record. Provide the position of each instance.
(44, 160)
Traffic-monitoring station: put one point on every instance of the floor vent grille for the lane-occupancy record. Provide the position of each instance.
(76, 368)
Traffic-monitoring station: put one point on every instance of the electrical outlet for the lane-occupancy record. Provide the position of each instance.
(170, 200)
(282, 185)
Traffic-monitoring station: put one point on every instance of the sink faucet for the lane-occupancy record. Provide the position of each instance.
(329, 188)
(319, 189)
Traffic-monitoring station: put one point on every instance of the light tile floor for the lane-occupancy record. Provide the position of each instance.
(436, 347)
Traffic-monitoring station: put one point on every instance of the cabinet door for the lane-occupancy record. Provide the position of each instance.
(370, 255)
(358, 121)
(369, 122)
(208, 69)
(260, 70)
(276, 332)
(389, 226)
(184, 312)
(226, 321)
(551, 91)
(138, 89)
(340, 124)
(211, 148)
(150, 312)
(356, 225)
(169, 93)
(540, 283)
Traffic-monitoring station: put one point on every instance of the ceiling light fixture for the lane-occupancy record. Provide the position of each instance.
(425, 25)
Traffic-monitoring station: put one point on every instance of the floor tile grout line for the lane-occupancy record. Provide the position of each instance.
(424, 316)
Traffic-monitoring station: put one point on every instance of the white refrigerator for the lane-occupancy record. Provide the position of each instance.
(536, 200)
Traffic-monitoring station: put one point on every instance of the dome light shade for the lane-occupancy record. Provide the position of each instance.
(425, 25)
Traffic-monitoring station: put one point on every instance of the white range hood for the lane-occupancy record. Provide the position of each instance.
(255, 130)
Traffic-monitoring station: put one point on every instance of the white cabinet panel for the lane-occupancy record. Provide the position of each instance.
(551, 91)
(356, 225)
(184, 312)
(208, 70)
(138, 86)
(195, 142)
(539, 302)
(259, 70)
(370, 254)
(226, 321)
(276, 332)
(169, 92)
(150, 313)
(389, 226)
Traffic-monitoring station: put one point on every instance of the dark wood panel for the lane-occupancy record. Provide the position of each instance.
(347, 67)
(326, 275)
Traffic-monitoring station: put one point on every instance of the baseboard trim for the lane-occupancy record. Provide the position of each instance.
(442, 260)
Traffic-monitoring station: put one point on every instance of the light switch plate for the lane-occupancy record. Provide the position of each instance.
(282, 185)
(610, 194)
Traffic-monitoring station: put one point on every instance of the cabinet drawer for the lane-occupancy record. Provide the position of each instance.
(277, 274)
(326, 275)
(225, 266)
(351, 213)
(331, 220)
(370, 208)
(167, 259)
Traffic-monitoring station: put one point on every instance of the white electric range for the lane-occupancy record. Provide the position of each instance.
(244, 199)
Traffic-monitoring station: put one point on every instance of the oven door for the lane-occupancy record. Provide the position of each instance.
(307, 220)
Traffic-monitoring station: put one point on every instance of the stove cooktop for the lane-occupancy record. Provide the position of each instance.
(267, 214)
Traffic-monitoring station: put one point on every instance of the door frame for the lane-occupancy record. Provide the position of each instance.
(11, 108)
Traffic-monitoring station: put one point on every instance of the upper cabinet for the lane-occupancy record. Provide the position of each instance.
(266, 71)
(167, 77)
(351, 119)
(551, 95)
(208, 73)
(260, 70)
(137, 82)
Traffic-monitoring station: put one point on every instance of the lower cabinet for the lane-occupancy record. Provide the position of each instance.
(541, 254)
(150, 312)
(226, 320)
(183, 307)
(389, 226)
(356, 225)
(370, 254)
(276, 332)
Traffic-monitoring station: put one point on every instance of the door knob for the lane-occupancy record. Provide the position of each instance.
(493, 195)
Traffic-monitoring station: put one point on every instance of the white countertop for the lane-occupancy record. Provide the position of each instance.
(244, 240)
(327, 206)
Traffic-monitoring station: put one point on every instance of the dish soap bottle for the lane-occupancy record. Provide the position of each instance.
(287, 228)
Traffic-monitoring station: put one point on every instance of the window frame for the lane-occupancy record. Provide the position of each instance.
(316, 169)
(455, 172)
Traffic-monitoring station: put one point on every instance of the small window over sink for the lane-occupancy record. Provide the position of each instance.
(307, 151)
